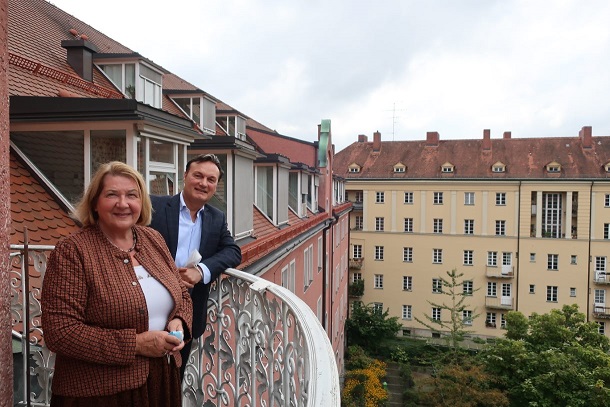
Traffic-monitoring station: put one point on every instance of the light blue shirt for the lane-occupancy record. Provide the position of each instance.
(189, 239)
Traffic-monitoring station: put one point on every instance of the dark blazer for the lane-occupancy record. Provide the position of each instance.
(218, 248)
(93, 307)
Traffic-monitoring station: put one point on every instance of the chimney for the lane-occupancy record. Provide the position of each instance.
(506, 135)
(585, 135)
(486, 139)
(80, 57)
(432, 138)
(362, 138)
(377, 141)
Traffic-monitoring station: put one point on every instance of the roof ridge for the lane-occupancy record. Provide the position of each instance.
(76, 81)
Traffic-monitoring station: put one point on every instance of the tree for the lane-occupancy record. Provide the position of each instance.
(554, 359)
(368, 327)
(455, 324)
(461, 385)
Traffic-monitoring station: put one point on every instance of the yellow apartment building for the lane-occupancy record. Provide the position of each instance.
(527, 222)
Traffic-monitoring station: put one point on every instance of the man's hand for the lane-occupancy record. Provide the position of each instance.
(190, 276)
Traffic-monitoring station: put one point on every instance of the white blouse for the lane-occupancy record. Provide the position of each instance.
(158, 300)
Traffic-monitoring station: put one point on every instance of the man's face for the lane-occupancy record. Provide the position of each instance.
(200, 183)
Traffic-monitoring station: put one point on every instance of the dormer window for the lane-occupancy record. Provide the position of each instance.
(447, 167)
(201, 110)
(136, 80)
(607, 167)
(553, 167)
(498, 167)
(353, 168)
(400, 167)
(234, 126)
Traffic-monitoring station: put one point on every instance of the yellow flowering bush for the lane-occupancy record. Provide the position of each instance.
(363, 387)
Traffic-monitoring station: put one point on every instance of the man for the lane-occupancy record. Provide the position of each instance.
(189, 224)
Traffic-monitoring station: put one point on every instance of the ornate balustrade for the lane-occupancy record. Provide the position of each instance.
(263, 346)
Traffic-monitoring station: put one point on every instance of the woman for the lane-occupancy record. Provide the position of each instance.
(110, 297)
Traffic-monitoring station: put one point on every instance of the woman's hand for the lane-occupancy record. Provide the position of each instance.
(176, 325)
(155, 344)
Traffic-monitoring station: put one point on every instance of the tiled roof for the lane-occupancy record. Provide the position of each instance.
(32, 207)
(173, 82)
(523, 157)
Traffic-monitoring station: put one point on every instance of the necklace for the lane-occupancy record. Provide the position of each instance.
(135, 240)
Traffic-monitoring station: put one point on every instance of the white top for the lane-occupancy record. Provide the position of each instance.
(158, 300)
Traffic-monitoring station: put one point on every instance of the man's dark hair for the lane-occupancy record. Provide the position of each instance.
(203, 158)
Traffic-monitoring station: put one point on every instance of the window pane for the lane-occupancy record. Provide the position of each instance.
(161, 151)
(115, 73)
(60, 157)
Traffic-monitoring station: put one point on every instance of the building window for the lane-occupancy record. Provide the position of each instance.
(551, 293)
(359, 222)
(437, 285)
(399, 169)
(492, 259)
(407, 283)
(468, 287)
(438, 226)
(572, 291)
(507, 258)
(354, 169)
(500, 198)
(379, 224)
(408, 225)
(467, 317)
(468, 198)
(357, 251)
(490, 320)
(600, 263)
(552, 215)
(406, 312)
(500, 228)
(468, 257)
(378, 252)
(573, 259)
(407, 254)
(532, 289)
(601, 328)
(469, 226)
(553, 262)
(437, 256)
(408, 198)
(507, 289)
(532, 257)
(492, 288)
(606, 230)
(378, 307)
(436, 314)
(599, 297)
(359, 197)
(607, 201)
(307, 267)
(379, 197)
(438, 198)
(356, 277)
(378, 281)
(288, 276)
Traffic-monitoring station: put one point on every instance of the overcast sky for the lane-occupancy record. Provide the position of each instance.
(536, 68)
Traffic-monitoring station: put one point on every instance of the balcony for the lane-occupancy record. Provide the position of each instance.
(262, 346)
(601, 277)
(499, 271)
(601, 311)
(505, 303)
(356, 264)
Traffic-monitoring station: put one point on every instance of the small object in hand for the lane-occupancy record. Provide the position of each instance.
(177, 334)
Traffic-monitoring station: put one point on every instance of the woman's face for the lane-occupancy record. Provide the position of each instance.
(119, 204)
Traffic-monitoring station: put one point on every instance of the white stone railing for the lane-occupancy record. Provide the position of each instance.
(263, 346)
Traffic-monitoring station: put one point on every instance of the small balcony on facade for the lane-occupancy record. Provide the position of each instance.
(503, 303)
(499, 271)
(356, 264)
(601, 277)
(601, 311)
(263, 346)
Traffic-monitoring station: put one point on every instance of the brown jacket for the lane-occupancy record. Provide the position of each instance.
(93, 307)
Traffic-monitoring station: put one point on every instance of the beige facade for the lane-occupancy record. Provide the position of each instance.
(529, 245)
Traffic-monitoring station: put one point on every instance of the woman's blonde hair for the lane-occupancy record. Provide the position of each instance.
(84, 211)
